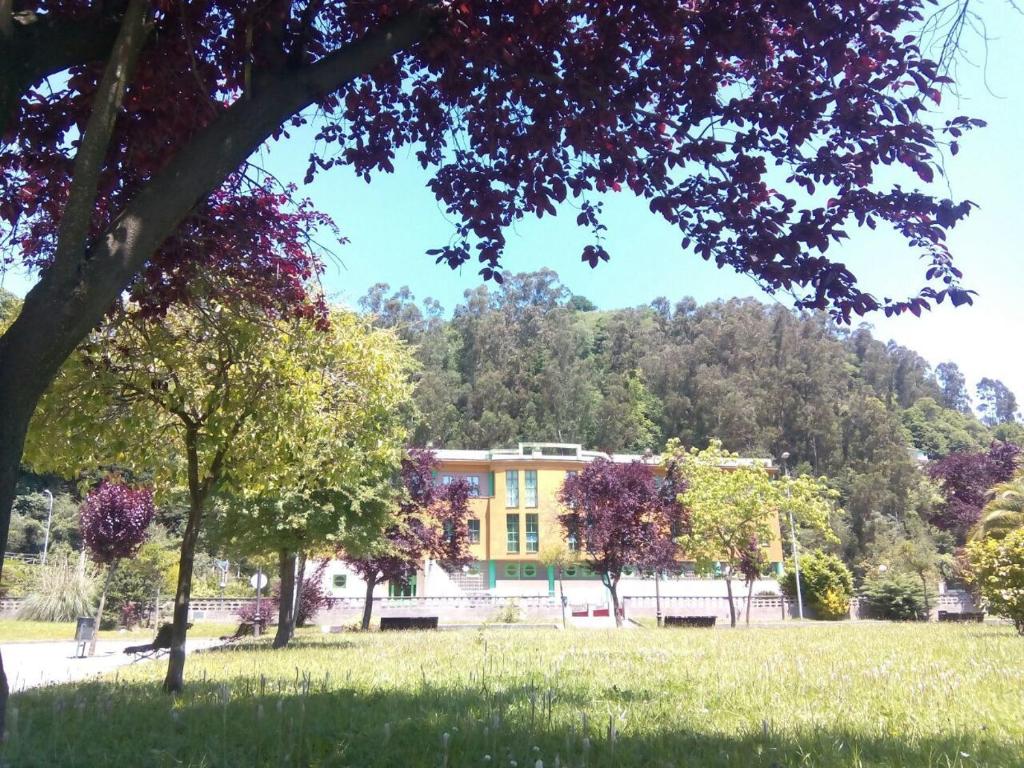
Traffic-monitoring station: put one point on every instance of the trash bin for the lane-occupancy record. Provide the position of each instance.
(84, 630)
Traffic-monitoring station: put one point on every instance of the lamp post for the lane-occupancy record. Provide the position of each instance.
(49, 519)
(796, 548)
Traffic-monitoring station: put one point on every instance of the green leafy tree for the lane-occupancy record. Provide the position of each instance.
(214, 398)
(732, 503)
(348, 446)
(997, 569)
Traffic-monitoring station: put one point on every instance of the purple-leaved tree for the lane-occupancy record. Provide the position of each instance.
(431, 521)
(115, 523)
(617, 517)
(966, 479)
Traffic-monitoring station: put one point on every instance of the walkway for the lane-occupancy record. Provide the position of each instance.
(32, 665)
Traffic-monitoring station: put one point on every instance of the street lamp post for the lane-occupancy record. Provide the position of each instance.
(796, 548)
(49, 519)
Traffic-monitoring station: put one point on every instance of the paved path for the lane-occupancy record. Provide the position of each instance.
(31, 665)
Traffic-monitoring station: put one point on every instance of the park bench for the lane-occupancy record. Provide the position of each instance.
(160, 645)
(963, 616)
(408, 622)
(690, 621)
(245, 629)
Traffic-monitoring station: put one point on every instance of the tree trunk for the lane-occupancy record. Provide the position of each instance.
(286, 605)
(174, 682)
(659, 620)
(368, 605)
(300, 581)
(927, 606)
(613, 589)
(14, 417)
(728, 590)
(561, 595)
(99, 611)
(750, 598)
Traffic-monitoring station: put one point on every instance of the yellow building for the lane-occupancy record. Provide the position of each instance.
(514, 511)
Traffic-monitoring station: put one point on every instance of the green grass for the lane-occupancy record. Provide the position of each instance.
(860, 694)
(15, 631)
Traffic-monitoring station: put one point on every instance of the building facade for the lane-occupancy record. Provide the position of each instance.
(514, 512)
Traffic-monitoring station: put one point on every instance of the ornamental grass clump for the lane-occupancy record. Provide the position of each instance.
(62, 591)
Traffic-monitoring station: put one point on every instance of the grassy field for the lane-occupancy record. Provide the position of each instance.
(14, 631)
(838, 695)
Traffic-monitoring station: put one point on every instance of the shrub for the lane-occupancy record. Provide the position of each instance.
(63, 591)
(826, 584)
(895, 597)
(17, 579)
(267, 611)
(997, 570)
(312, 596)
(508, 613)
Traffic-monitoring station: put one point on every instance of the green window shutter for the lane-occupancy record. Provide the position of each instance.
(490, 484)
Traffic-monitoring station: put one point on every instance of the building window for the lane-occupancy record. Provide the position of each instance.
(573, 543)
(474, 485)
(532, 533)
(512, 530)
(447, 479)
(570, 473)
(512, 488)
(474, 531)
(529, 571)
(339, 580)
(449, 531)
(531, 487)
(399, 588)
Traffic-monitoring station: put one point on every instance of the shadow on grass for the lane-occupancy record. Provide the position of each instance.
(322, 722)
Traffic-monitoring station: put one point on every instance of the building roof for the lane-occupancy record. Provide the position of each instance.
(567, 453)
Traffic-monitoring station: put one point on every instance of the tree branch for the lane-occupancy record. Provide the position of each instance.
(59, 311)
(92, 151)
(38, 47)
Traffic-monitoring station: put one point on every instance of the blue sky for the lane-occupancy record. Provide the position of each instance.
(391, 222)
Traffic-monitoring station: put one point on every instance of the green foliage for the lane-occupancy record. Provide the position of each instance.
(344, 442)
(938, 431)
(997, 569)
(1004, 512)
(509, 613)
(62, 591)
(826, 584)
(894, 597)
(732, 503)
(142, 580)
(17, 578)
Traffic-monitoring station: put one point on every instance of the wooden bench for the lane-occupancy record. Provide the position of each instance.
(963, 616)
(690, 621)
(408, 622)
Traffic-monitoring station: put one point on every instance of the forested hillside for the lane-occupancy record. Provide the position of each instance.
(532, 361)
(529, 360)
